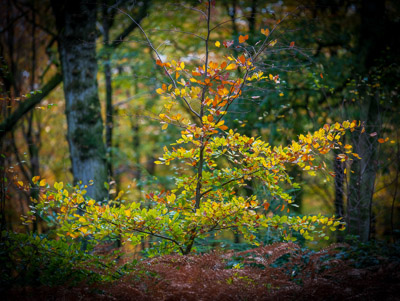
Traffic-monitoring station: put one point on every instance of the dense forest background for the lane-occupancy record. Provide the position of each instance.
(79, 101)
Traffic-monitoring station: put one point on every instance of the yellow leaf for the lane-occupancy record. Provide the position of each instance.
(281, 94)
(82, 220)
(91, 203)
(42, 183)
(59, 185)
(160, 91)
(265, 32)
(231, 67)
(217, 43)
(20, 183)
(128, 213)
(272, 44)
(35, 179)
(164, 127)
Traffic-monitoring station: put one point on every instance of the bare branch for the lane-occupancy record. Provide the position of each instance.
(180, 31)
(230, 181)
(8, 124)
(159, 57)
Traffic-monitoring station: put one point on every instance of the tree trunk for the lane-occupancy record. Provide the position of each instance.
(107, 22)
(371, 45)
(362, 181)
(339, 184)
(76, 24)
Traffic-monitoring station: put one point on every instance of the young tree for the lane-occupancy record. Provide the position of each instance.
(214, 162)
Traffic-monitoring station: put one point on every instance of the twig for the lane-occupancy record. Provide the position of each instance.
(159, 57)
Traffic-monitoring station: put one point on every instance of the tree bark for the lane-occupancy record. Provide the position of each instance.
(371, 45)
(76, 22)
(107, 75)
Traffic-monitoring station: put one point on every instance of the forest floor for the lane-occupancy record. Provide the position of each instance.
(281, 271)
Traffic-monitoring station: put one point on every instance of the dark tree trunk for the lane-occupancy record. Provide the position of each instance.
(76, 22)
(107, 23)
(339, 185)
(362, 181)
(372, 43)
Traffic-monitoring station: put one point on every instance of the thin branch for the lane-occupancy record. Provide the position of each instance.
(139, 230)
(202, 146)
(8, 124)
(180, 31)
(159, 57)
(224, 22)
(195, 9)
(21, 166)
(120, 38)
(230, 181)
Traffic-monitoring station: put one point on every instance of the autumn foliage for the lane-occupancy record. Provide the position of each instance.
(214, 162)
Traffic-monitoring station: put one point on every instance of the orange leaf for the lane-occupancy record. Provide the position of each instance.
(210, 118)
(321, 75)
(223, 65)
(243, 39)
(291, 44)
(223, 127)
(265, 32)
(266, 206)
(242, 59)
(381, 140)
